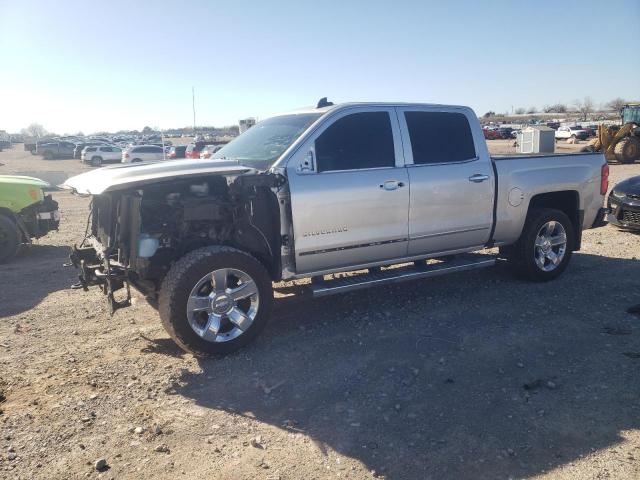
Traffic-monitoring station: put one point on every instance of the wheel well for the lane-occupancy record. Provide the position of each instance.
(567, 201)
(5, 212)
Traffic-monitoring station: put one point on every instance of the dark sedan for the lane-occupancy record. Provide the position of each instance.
(624, 202)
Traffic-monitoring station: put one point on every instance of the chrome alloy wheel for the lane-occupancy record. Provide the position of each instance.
(551, 245)
(223, 305)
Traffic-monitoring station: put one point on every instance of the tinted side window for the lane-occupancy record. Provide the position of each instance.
(439, 137)
(106, 149)
(155, 149)
(359, 140)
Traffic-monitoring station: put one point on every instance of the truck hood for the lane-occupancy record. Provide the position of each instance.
(22, 180)
(119, 177)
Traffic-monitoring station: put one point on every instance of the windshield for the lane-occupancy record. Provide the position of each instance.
(631, 114)
(263, 143)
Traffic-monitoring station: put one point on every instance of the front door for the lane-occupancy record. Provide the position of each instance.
(350, 192)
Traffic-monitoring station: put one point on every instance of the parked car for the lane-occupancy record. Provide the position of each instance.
(624, 202)
(100, 154)
(194, 149)
(505, 132)
(332, 189)
(55, 149)
(514, 133)
(25, 213)
(177, 151)
(491, 134)
(592, 130)
(571, 132)
(554, 125)
(77, 151)
(143, 153)
(209, 150)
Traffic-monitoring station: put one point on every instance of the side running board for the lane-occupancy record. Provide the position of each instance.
(413, 271)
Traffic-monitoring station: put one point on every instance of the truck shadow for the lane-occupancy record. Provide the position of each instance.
(20, 292)
(475, 375)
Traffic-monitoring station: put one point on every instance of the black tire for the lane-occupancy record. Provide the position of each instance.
(185, 274)
(627, 150)
(521, 256)
(48, 155)
(136, 160)
(96, 161)
(10, 239)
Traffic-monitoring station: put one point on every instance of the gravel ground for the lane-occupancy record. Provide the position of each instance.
(475, 375)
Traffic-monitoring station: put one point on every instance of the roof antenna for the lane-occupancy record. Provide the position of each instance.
(323, 102)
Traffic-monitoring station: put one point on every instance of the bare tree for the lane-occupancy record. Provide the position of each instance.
(34, 130)
(585, 107)
(520, 111)
(616, 104)
(490, 113)
(532, 110)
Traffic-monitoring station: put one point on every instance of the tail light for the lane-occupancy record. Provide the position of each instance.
(604, 179)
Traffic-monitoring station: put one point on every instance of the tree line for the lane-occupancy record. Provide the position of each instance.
(584, 107)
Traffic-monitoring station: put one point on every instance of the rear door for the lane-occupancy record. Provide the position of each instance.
(452, 185)
(350, 192)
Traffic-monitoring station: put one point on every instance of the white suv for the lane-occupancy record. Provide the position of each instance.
(143, 153)
(98, 154)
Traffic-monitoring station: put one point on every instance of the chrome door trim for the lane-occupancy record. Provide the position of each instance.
(418, 165)
(440, 234)
(350, 247)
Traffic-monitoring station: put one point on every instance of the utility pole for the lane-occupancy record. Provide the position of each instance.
(193, 105)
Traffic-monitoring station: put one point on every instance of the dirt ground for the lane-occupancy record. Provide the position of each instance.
(471, 376)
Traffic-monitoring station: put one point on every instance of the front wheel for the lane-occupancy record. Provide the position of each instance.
(544, 249)
(10, 239)
(96, 161)
(215, 300)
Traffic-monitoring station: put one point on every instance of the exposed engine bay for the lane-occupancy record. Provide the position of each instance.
(134, 235)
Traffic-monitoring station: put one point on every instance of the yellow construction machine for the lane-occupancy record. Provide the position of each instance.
(621, 143)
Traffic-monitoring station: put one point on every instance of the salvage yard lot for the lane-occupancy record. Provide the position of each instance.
(474, 375)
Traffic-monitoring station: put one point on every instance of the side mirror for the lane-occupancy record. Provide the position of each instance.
(307, 165)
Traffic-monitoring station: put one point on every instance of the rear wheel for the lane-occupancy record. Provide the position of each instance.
(48, 155)
(544, 249)
(215, 300)
(96, 161)
(10, 239)
(136, 160)
(627, 150)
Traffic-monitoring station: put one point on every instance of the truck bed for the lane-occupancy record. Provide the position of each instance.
(520, 178)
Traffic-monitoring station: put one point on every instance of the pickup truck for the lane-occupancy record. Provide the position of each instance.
(390, 192)
(55, 149)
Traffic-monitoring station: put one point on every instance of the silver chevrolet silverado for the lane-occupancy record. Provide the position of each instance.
(390, 192)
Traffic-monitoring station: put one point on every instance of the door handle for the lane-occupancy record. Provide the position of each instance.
(391, 185)
(478, 177)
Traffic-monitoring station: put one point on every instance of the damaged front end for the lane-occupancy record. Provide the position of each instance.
(135, 234)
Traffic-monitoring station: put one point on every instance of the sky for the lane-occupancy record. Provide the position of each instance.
(106, 66)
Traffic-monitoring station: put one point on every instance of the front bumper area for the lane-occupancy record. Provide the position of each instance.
(624, 214)
(95, 269)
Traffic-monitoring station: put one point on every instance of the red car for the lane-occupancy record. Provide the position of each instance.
(491, 134)
(193, 149)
